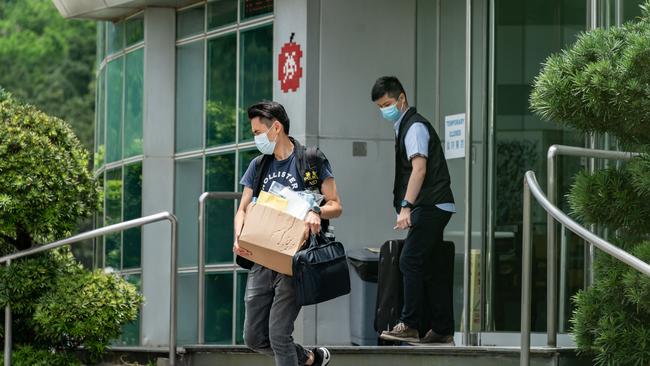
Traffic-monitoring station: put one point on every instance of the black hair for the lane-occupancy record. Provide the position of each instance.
(269, 111)
(386, 85)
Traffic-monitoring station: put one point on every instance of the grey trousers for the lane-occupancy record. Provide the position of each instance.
(271, 311)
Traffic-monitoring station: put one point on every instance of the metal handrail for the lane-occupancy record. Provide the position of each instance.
(551, 269)
(201, 265)
(97, 233)
(532, 187)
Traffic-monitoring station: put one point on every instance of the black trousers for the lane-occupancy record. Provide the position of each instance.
(428, 288)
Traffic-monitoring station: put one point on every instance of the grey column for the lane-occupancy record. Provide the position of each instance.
(302, 18)
(157, 170)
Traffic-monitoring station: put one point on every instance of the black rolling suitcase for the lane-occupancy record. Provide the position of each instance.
(390, 293)
(390, 289)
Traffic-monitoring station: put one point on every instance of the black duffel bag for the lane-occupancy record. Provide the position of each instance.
(320, 271)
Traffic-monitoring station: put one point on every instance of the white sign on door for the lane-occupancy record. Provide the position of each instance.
(455, 136)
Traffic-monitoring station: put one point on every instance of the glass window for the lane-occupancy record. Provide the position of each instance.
(256, 73)
(101, 41)
(220, 176)
(189, 96)
(631, 10)
(100, 110)
(132, 241)
(115, 33)
(221, 12)
(190, 22)
(99, 252)
(114, 115)
(133, 99)
(220, 105)
(84, 251)
(113, 207)
(218, 308)
(242, 277)
(131, 331)
(189, 179)
(134, 30)
(255, 8)
(187, 308)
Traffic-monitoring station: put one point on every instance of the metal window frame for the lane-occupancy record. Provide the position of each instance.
(468, 173)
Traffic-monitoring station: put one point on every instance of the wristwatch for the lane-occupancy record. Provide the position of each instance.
(316, 210)
(407, 204)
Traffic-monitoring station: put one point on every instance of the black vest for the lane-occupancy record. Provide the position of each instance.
(436, 186)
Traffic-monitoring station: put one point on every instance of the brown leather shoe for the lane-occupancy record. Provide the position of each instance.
(401, 333)
(433, 337)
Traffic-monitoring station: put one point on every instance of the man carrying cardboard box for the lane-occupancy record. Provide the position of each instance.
(271, 308)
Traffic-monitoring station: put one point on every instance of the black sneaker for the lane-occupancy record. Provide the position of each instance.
(321, 356)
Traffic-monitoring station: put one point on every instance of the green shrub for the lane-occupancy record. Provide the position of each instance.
(46, 187)
(29, 356)
(23, 283)
(45, 184)
(607, 198)
(612, 319)
(602, 84)
(86, 309)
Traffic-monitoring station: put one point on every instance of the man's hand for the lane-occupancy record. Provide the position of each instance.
(404, 219)
(312, 223)
(239, 250)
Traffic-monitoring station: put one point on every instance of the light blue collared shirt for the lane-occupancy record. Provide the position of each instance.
(417, 144)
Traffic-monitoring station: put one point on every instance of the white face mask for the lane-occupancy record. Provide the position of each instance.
(264, 145)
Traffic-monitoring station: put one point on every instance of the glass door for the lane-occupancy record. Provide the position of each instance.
(523, 34)
(441, 92)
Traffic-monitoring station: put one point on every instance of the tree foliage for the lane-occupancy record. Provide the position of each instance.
(602, 85)
(48, 61)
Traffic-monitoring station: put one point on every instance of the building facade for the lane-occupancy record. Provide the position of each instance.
(174, 79)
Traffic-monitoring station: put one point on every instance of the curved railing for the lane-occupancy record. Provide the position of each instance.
(554, 152)
(532, 189)
(162, 216)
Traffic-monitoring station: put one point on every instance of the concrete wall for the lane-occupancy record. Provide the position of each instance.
(360, 41)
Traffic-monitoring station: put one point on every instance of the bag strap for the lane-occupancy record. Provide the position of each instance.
(262, 164)
(312, 162)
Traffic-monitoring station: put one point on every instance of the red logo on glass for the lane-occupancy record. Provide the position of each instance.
(289, 69)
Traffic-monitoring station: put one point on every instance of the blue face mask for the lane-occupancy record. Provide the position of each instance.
(391, 113)
(264, 145)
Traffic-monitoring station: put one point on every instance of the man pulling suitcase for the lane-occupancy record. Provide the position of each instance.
(424, 203)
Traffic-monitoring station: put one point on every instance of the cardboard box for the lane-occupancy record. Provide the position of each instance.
(272, 236)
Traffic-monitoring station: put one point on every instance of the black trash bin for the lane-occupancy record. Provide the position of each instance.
(363, 296)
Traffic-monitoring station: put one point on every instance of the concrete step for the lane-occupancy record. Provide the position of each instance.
(361, 356)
